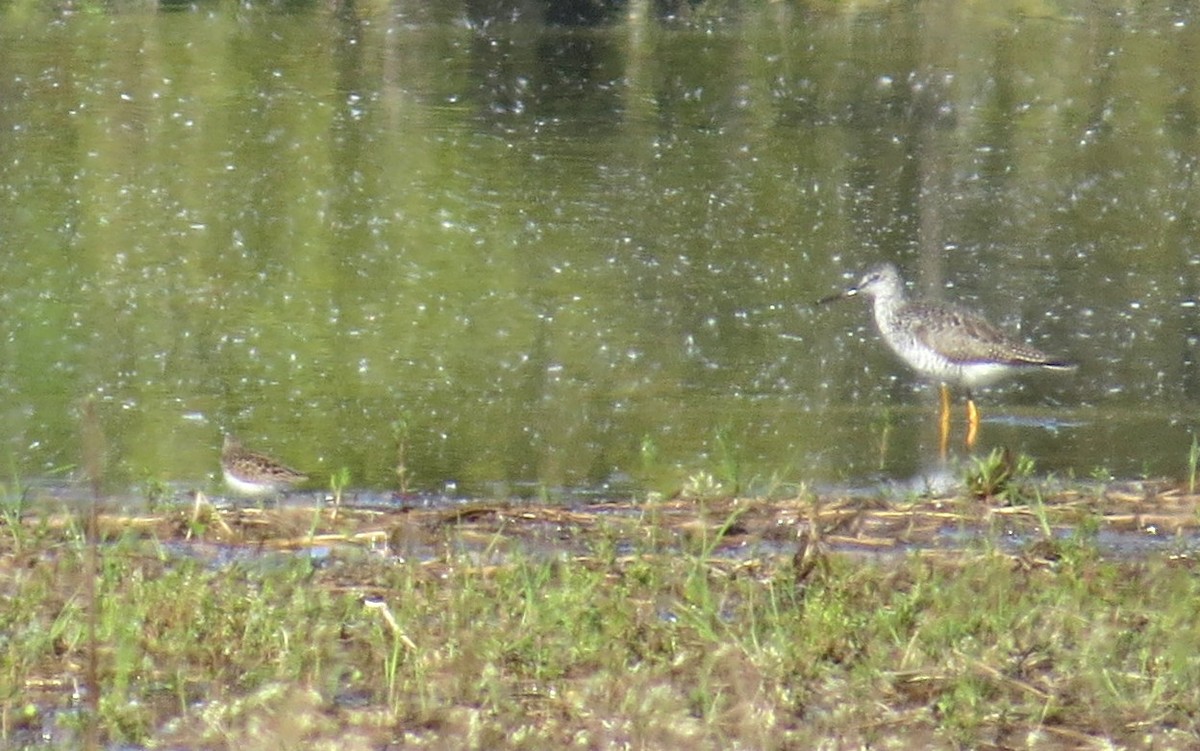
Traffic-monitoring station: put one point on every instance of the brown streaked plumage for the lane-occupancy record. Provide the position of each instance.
(252, 474)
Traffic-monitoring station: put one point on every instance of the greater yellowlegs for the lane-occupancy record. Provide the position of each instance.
(254, 474)
(945, 343)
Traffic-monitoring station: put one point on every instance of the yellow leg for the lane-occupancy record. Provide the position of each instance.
(972, 422)
(944, 423)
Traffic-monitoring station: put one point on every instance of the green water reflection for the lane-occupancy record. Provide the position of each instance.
(537, 248)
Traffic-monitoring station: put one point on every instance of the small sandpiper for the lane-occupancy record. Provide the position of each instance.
(253, 474)
(944, 342)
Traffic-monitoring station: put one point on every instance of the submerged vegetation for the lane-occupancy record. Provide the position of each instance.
(702, 623)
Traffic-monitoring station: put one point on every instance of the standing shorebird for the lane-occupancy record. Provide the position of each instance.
(945, 343)
(253, 474)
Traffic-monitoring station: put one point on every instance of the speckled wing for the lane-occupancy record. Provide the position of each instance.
(965, 338)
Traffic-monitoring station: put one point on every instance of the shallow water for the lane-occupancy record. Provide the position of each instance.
(525, 255)
(934, 516)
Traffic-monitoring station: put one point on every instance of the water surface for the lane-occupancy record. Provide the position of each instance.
(521, 252)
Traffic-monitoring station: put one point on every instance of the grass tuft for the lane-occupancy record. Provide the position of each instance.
(476, 634)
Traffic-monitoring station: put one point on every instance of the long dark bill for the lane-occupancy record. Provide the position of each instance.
(839, 296)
